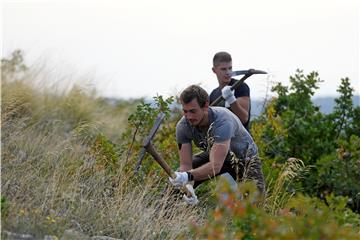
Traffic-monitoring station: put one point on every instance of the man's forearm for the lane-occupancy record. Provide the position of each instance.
(241, 109)
(240, 112)
(217, 157)
(185, 153)
(205, 171)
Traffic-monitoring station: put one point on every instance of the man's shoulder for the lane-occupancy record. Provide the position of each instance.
(183, 125)
(231, 83)
(221, 112)
(215, 90)
(225, 124)
(218, 110)
(215, 93)
(242, 85)
(181, 122)
(224, 116)
(243, 90)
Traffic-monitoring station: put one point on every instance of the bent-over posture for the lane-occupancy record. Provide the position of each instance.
(227, 146)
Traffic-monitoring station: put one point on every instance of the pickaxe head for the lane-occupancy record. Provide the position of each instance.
(244, 72)
(147, 140)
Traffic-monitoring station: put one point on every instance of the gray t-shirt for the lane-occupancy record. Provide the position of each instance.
(224, 125)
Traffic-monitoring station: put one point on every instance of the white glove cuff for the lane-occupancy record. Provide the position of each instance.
(192, 200)
(231, 100)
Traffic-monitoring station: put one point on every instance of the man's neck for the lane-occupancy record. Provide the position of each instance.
(221, 85)
(204, 124)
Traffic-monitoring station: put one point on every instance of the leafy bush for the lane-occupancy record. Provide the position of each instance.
(291, 126)
(237, 217)
(339, 173)
(138, 128)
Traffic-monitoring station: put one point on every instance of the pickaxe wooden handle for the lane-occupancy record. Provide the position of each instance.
(148, 147)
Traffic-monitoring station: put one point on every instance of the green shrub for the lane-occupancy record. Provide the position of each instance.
(294, 127)
(339, 173)
(291, 126)
(301, 218)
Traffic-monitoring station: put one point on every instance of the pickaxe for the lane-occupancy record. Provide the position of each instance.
(247, 74)
(148, 147)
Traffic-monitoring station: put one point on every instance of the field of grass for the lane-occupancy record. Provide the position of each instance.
(55, 175)
(65, 165)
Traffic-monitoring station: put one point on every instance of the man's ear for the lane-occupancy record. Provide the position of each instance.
(206, 104)
(213, 69)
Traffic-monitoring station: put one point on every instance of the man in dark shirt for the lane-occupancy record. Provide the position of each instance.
(237, 101)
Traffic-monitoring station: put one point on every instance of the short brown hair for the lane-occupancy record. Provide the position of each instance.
(194, 91)
(221, 57)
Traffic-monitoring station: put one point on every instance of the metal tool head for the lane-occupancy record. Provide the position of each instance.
(244, 72)
(254, 71)
(239, 72)
(154, 129)
(148, 139)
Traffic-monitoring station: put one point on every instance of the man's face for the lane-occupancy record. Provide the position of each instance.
(193, 112)
(223, 72)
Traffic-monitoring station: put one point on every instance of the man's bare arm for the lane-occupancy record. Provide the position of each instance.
(241, 108)
(185, 153)
(217, 157)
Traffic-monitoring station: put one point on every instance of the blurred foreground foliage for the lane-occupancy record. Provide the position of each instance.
(239, 217)
(68, 162)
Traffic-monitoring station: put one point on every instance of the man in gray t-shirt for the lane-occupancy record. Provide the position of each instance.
(227, 145)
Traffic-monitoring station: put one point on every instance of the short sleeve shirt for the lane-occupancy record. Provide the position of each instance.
(224, 125)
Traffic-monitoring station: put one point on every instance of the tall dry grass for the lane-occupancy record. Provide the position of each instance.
(278, 194)
(51, 180)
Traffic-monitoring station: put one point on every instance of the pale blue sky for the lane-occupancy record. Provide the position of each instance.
(135, 48)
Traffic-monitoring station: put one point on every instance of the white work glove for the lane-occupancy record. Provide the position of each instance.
(193, 200)
(181, 179)
(228, 95)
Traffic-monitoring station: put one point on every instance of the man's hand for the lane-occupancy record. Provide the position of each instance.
(192, 200)
(228, 95)
(180, 180)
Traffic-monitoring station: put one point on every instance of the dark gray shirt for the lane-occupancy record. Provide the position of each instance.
(224, 125)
